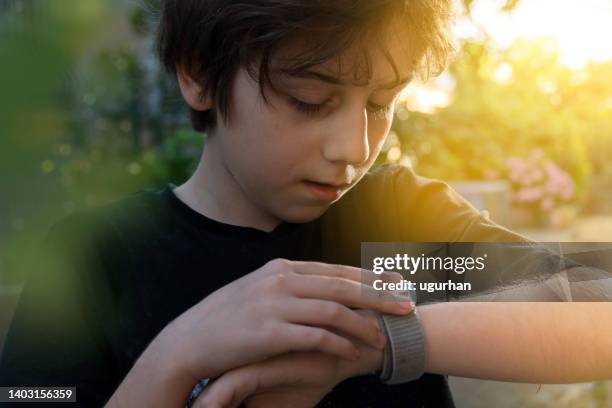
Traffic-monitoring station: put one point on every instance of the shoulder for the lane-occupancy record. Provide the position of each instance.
(401, 205)
(108, 227)
(373, 208)
(393, 191)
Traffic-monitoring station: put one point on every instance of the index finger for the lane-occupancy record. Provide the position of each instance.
(361, 275)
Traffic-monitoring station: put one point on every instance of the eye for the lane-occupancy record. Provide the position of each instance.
(314, 108)
(305, 107)
(380, 111)
(374, 107)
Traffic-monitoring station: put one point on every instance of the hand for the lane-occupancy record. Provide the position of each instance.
(292, 380)
(283, 306)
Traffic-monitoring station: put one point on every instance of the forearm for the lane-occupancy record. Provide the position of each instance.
(157, 379)
(577, 284)
(520, 342)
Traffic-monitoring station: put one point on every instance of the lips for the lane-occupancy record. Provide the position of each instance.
(331, 184)
(329, 191)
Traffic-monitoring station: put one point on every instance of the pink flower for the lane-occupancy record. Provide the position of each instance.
(529, 194)
(547, 203)
(539, 181)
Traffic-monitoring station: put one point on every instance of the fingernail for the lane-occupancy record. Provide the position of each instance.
(406, 305)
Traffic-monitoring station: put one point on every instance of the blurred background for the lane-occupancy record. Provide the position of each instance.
(520, 124)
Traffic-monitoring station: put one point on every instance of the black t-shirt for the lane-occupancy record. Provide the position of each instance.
(112, 278)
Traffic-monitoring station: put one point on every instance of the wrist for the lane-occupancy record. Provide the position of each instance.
(166, 352)
(172, 352)
(157, 379)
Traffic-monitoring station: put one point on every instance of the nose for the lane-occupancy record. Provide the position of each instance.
(347, 138)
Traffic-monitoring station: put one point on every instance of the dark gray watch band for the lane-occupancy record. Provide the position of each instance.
(405, 353)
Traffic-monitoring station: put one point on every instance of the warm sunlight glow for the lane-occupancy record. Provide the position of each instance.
(581, 28)
(430, 96)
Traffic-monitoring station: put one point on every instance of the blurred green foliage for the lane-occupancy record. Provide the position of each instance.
(86, 116)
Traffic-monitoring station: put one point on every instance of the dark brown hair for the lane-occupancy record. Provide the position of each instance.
(212, 39)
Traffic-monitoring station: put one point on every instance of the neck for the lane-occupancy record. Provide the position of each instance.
(213, 191)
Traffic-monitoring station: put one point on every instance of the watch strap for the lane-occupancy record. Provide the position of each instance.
(404, 359)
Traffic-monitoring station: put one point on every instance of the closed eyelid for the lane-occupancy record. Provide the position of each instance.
(385, 99)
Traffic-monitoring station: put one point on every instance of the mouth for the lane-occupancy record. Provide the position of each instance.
(326, 191)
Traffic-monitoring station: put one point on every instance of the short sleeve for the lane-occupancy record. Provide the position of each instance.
(393, 204)
(431, 211)
(59, 334)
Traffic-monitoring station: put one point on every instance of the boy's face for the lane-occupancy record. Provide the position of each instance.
(289, 160)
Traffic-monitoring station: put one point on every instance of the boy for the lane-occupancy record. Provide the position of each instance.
(150, 294)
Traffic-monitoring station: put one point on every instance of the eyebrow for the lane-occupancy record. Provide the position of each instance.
(310, 74)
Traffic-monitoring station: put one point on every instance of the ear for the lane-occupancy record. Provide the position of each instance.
(192, 91)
